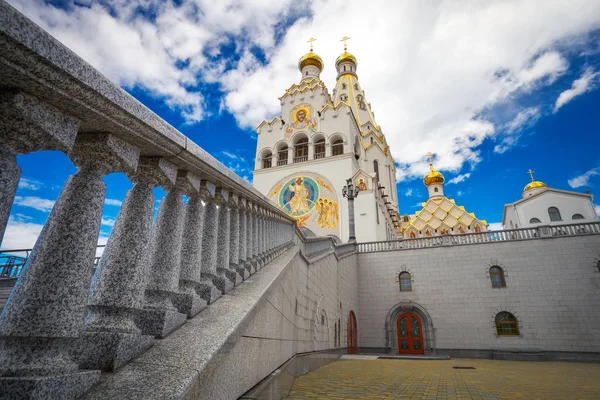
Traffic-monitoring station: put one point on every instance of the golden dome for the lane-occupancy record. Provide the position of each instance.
(534, 185)
(310, 58)
(433, 177)
(345, 57)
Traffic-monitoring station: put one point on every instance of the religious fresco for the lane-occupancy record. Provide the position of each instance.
(310, 199)
(361, 184)
(301, 117)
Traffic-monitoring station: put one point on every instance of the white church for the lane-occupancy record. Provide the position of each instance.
(305, 156)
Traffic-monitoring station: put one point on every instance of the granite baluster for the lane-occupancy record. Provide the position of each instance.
(191, 285)
(27, 125)
(250, 222)
(111, 337)
(160, 316)
(236, 205)
(243, 261)
(210, 291)
(43, 317)
(226, 278)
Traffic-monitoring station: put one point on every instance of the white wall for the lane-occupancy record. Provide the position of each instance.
(553, 288)
(567, 205)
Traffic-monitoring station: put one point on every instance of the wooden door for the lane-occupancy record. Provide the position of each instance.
(410, 334)
(352, 337)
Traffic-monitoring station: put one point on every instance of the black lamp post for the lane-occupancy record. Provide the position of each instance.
(350, 192)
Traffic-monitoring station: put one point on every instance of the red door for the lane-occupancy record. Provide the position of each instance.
(352, 338)
(410, 334)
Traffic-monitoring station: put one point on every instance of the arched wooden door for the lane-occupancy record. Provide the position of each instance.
(410, 334)
(352, 338)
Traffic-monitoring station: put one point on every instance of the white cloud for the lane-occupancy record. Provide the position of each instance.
(35, 202)
(20, 234)
(108, 221)
(459, 178)
(585, 83)
(113, 202)
(408, 192)
(583, 179)
(30, 184)
(597, 209)
(495, 226)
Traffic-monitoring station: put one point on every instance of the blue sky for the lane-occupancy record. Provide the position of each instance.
(493, 89)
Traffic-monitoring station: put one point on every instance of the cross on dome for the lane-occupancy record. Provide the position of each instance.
(345, 40)
(311, 40)
(530, 172)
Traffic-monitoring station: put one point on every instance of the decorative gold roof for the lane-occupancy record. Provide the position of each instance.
(345, 57)
(441, 216)
(433, 176)
(310, 58)
(533, 184)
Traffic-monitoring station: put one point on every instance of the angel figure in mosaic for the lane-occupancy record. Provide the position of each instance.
(333, 216)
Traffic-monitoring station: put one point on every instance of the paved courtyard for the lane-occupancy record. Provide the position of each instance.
(411, 379)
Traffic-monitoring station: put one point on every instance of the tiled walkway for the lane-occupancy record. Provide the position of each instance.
(410, 379)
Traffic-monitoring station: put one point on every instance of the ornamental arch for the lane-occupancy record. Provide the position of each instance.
(391, 326)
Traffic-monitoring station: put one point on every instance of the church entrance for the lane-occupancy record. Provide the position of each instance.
(352, 337)
(410, 334)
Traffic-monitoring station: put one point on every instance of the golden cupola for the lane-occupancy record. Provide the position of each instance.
(346, 63)
(533, 184)
(433, 177)
(310, 64)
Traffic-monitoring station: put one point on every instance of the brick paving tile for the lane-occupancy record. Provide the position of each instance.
(428, 380)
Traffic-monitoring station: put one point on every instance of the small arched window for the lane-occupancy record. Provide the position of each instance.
(337, 148)
(506, 324)
(435, 190)
(343, 84)
(344, 97)
(266, 160)
(577, 216)
(497, 277)
(405, 284)
(534, 221)
(376, 169)
(320, 148)
(554, 214)
(301, 150)
(598, 266)
(282, 156)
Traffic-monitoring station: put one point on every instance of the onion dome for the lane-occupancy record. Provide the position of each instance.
(433, 177)
(345, 57)
(533, 184)
(310, 58)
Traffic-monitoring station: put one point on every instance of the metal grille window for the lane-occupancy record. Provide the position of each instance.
(534, 221)
(577, 216)
(301, 150)
(506, 324)
(497, 277)
(282, 156)
(320, 149)
(266, 162)
(405, 283)
(554, 214)
(337, 148)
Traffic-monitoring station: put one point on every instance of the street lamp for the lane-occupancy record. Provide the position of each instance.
(350, 192)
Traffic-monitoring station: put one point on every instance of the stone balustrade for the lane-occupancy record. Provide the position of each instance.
(61, 326)
(540, 232)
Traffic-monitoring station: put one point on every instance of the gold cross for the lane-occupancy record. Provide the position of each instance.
(430, 156)
(311, 40)
(530, 172)
(345, 39)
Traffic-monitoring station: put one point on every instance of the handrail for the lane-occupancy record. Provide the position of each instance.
(540, 232)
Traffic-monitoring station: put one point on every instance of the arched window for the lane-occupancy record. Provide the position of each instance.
(337, 148)
(266, 160)
(405, 284)
(534, 221)
(320, 148)
(376, 169)
(344, 97)
(554, 214)
(577, 216)
(497, 277)
(506, 324)
(282, 156)
(435, 190)
(301, 150)
(598, 266)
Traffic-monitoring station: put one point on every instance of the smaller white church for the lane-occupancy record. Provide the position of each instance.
(542, 205)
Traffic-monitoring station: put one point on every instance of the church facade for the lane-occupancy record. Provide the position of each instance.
(306, 156)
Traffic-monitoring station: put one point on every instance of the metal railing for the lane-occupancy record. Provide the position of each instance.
(282, 162)
(319, 155)
(11, 264)
(300, 159)
(546, 231)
